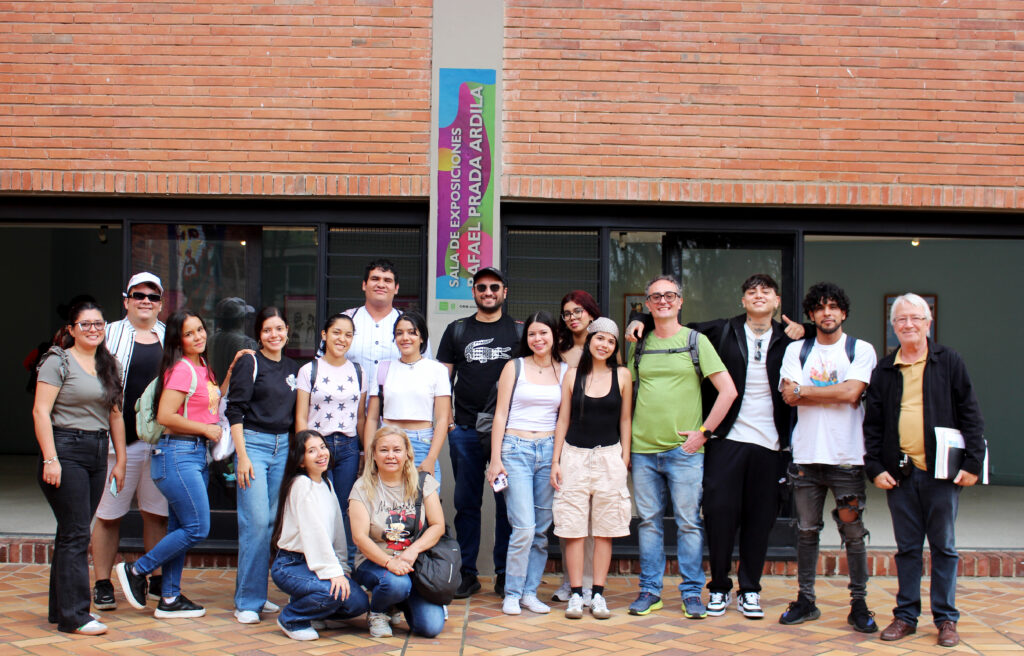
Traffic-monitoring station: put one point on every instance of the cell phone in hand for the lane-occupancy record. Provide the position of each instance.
(113, 486)
(500, 482)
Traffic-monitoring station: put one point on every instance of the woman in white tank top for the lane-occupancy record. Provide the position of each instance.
(522, 443)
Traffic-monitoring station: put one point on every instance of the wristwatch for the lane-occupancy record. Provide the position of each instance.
(708, 435)
(796, 391)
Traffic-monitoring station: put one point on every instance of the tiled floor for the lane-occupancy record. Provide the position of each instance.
(992, 623)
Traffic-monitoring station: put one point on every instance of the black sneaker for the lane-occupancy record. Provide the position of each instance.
(469, 586)
(132, 585)
(860, 618)
(801, 610)
(103, 595)
(180, 607)
(499, 585)
(155, 586)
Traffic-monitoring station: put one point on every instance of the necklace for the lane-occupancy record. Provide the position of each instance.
(410, 364)
(540, 367)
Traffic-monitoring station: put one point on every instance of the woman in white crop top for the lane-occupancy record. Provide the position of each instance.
(413, 393)
(522, 443)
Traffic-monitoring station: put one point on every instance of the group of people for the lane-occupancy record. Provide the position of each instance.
(703, 415)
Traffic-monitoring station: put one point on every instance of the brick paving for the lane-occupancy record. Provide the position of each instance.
(992, 623)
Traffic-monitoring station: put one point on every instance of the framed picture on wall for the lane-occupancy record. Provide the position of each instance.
(891, 343)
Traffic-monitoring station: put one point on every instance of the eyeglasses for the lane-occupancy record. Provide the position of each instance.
(569, 314)
(901, 320)
(668, 296)
(86, 326)
(482, 287)
(757, 352)
(142, 296)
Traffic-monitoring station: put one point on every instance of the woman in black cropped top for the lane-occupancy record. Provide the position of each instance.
(591, 455)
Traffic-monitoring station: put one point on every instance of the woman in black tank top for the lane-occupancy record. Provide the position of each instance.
(591, 455)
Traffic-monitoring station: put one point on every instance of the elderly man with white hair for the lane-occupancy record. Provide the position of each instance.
(921, 388)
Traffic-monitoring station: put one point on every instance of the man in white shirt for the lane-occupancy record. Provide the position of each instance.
(825, 380)
(374, 339)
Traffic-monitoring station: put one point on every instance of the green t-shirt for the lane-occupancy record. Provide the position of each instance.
(669, 397)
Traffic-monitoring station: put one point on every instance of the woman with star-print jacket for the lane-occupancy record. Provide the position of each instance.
(260, 409)
(332, 401)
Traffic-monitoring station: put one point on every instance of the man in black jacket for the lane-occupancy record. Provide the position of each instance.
(742, 470)
(921, 388)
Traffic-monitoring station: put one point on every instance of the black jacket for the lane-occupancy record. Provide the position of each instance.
(730, 340)
(949, 402)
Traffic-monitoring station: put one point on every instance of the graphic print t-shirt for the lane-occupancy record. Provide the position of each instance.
(478, 359)
(829, 434)
(392, 517)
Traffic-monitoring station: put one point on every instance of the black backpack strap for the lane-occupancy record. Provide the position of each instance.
(851, 348)
(359, 376)
(693, 345)
(805, 350)
(419, 504)
(312, 375)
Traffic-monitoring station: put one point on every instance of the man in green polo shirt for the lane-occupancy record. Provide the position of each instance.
(669, 432)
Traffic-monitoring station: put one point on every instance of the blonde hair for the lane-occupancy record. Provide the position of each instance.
(371, 473)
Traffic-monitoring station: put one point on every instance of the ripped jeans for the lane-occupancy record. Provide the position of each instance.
(811, 484)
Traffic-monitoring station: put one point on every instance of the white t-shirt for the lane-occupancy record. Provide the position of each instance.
(755, 423)
(409, 390)
(334, 404)
(312, 525)
(829, 434)
(374, 341)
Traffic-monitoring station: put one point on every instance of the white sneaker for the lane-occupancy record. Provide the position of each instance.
(574, 610)
(395, 616)
(749, 603)
(534, 605)
(247, 616)
(587, 595)
(92, 628)
(718, 602)
(599, 607)
(309, 633)
(380, 626)
(511, 606)
(271, 607)
(562, 593)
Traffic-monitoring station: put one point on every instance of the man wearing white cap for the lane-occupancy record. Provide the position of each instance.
(137, 343)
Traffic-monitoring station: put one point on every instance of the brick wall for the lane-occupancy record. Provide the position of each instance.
(897, 103)
(244, 97)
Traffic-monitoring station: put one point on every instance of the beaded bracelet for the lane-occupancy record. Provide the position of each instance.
(53, 459)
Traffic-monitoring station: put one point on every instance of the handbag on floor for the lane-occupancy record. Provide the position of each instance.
(436, 574)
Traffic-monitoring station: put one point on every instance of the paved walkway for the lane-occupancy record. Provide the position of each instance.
(992, 623)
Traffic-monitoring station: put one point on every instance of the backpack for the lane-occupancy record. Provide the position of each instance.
(312, 374)
(691, 348)
(146, 426)
(808, 344)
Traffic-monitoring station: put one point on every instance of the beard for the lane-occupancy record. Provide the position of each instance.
(489, 310)
(829, 331)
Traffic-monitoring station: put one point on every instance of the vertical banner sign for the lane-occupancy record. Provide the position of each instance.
(465, 183)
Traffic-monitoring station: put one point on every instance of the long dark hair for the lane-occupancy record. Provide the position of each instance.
(585, 301)
(586, 367)
(418, 323)
(292, 470)
(538, 317)
(106, 365)
(173, 350)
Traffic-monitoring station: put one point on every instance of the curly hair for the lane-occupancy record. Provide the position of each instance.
(823, 292)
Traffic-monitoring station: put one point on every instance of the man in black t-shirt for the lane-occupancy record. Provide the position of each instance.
(475, 349)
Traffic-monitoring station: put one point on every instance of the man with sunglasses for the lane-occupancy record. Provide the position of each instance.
(670, 429)
(475, 350)
(137, 343)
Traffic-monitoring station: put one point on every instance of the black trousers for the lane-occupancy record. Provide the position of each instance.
(83, 463)
(741, 491)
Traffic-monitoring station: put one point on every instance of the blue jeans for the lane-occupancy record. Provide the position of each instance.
(179, 470)
(923, 506)
(257, 510)
(421, 440)
(659, 478)
(387, 590)
(469, 462)
(83, 464)
(528, 498)
(345, 449)
(811, 483)
(309, 596)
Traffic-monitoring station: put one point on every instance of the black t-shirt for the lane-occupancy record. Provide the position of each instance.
(267, 404)
(144, 367)
(479, 357)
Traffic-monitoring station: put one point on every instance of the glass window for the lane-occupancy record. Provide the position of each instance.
(542, 266)
(350, 249)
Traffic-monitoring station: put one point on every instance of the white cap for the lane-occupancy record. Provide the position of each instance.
(143, 277)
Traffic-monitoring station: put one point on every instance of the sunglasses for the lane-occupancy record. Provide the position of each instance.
(142, 296)
(494, 287)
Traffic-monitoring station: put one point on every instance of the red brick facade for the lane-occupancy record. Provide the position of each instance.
(899, 104)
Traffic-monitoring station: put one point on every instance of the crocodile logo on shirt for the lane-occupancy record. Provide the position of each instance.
(478, 351)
